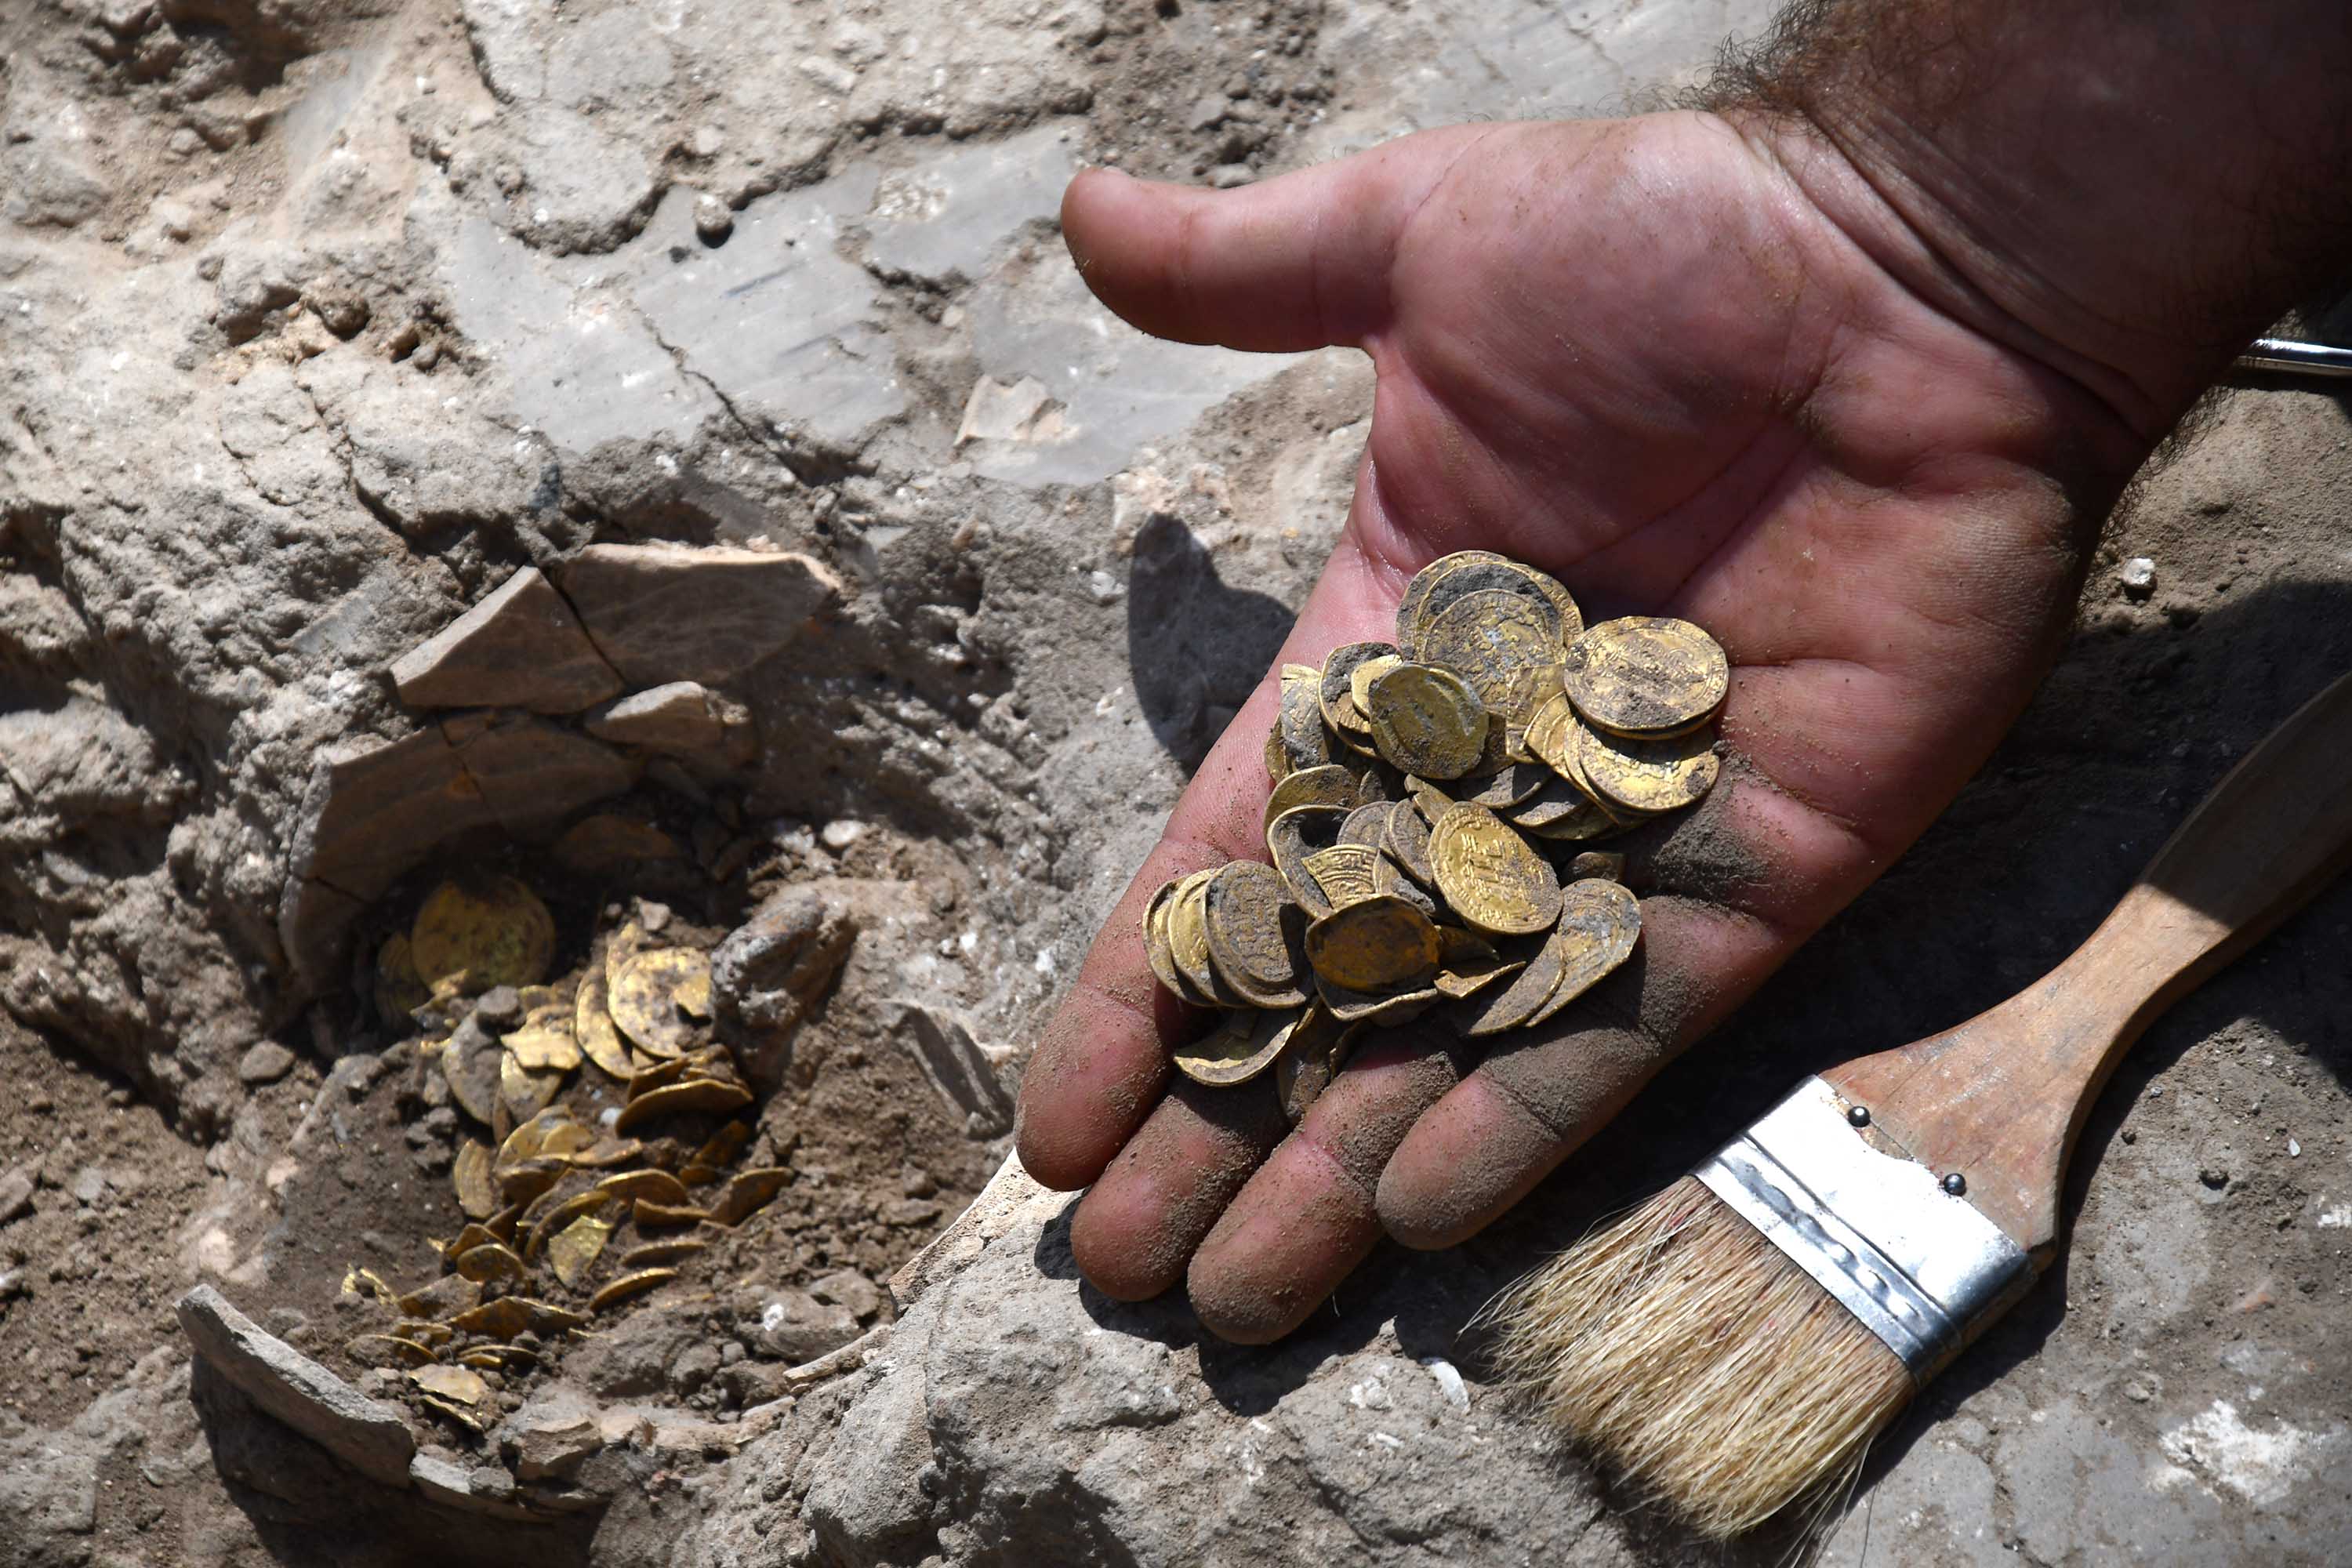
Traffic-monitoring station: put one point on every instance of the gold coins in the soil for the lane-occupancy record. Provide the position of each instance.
(1426, 721)
(655, 996)
(491, 929)
(1430, 812)
(1489, 875)
(1646, 676)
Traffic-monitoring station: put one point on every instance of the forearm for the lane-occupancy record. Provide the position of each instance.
(2129, 189)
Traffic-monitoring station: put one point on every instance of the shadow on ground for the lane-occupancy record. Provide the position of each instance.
(1196, 645)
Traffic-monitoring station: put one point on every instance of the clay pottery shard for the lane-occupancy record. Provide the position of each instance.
(747, 1192)
(662, 613)
(705, 1096)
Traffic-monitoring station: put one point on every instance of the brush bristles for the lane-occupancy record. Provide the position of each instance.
(1686, 1351)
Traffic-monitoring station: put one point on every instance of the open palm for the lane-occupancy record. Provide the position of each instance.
(1634, 354)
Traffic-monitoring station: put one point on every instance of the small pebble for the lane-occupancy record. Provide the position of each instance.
(2137, 577)
(266, 1062)
(501, 1007)
(713, 219)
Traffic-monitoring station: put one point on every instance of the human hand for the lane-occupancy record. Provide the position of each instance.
(1638, 355)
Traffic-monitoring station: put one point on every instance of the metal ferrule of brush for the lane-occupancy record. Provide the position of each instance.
(1920, 1268)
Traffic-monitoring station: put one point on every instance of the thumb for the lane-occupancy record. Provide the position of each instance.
(1296, 263)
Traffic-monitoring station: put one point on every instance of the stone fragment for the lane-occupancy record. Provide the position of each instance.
(713, 219)
(522, 647)
(551, 1435)
(774, 967)
(660, 614)
(532, 774)
(957, 1067)
(2136, 576)
(266, 1062)
(1012, 1196)
(847, 1287)
(368, 1436)
(16, 1194)
(683, 719)
(794, 1326)
(374, 808)
(474, 1490)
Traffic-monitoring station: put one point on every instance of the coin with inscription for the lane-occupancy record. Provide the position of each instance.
(1255, 946)
(1188, 943)
(1360, 680)
(1300, 721)
(1648, 776)
(1365, 824)
(1510, 577)
(1376, 944)
(1377, 1010)
(1488, 875)
(1155, 939)
(1426, 721)
(1411, 609)
(1344, 873)
(1405, 840)
(1646, 675)
(1511, 1005)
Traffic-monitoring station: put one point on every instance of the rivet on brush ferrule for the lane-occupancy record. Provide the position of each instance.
(1879, 1233)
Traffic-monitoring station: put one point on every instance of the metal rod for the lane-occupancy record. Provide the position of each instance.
(2288, 357)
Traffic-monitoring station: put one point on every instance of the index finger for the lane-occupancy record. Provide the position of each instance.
(1103, 1061)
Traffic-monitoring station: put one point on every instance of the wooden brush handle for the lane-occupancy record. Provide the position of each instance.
(2001, 1098)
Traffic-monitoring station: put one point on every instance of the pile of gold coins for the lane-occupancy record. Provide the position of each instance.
(548, 1194)
(1425, 796)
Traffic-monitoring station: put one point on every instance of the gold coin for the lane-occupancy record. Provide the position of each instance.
(1551, 731)
(676, 1250)
(1468, 964)
(1239, 1050)
(544, 1044)
(1489, 876)
(1277, 757)
(453, 1382)
(1515, 782)
(573, 1250)
(592, 1025)
(1599, 921)
(1365, 824)
(654, 994)
(490, 1264)
(1405, 840)
(471, 1176)
(1293, 836)
(1376, 944)
(1597, 863)
(746, 1192)
(524, 1091)
(1300, 720)
(1426, 721)
(1646, 675)
(1343, 874)
(1490, 638)
(1372, 786)
(1648, 776)
(1360, 680)
(1556, 802)
(709, 1096)
(1389, 881)
(1508, 577)
(1188, 943)
(1310, 1059)
(1431, 800)
(1377, 1009)
(559, 1215)
(648, 1214)
(1254, 938)
(1156, 950)
(1336, 693)
(1412, 610)
(492, 929)
(1582, 825)
(1329, 785)
(1514, 1003)
(519, 1184)
(399, 989)
(618, 1290)
(630, 1185)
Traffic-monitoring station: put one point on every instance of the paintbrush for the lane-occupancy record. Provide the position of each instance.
(1732, 1346)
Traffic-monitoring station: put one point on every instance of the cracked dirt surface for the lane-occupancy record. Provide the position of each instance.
(321, 317)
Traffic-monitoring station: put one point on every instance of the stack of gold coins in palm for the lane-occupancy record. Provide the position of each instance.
(1433, 805)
